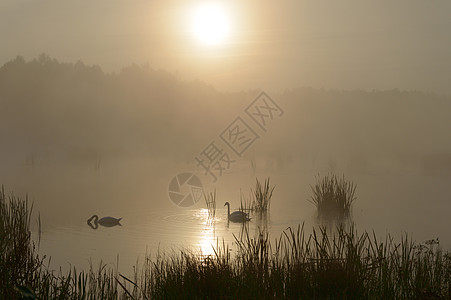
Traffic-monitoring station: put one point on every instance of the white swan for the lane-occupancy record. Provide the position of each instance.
(105, 221)
(236, 216)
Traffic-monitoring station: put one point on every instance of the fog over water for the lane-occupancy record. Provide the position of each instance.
(80, 141)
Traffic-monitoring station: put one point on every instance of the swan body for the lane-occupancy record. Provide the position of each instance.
(105, 221)
(237, 216)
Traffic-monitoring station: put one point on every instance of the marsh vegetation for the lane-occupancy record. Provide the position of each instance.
(259, 199)
(210, 202)
(333, 197)
(329, 263)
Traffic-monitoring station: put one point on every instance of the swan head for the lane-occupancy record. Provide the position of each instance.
(227, 203)
(95, 217)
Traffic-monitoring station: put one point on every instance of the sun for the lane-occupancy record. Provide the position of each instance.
(210, 23)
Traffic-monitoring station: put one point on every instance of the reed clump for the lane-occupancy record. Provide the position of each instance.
(210, 201)
(262, 195)
(333, 197)
(18, 262)
(247, 204)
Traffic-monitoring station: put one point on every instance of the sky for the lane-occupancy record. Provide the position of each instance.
(272, 45)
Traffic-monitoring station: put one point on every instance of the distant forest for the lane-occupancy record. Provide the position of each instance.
(73, 112)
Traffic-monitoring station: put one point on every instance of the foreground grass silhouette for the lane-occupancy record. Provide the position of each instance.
(333, 263)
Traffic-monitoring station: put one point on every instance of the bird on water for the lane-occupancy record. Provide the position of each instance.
(237, 216)
(105, 221)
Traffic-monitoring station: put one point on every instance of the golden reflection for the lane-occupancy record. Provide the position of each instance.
(208, 239)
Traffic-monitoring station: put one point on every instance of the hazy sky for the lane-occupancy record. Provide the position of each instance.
(273, 45)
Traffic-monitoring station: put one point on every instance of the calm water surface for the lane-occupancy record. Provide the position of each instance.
(141, 232)
(394, 203)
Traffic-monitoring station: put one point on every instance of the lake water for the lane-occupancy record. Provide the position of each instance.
(136, 190)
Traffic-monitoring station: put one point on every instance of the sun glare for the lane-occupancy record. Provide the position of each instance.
(210, 23)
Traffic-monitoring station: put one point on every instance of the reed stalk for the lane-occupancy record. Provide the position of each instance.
(262, 195)
(210, 201)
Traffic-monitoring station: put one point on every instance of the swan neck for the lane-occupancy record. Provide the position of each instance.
(95, 226)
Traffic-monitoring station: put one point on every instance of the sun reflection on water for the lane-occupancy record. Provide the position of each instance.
(207, 239)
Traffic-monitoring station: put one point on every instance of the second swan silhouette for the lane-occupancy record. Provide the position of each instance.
(105, 221)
